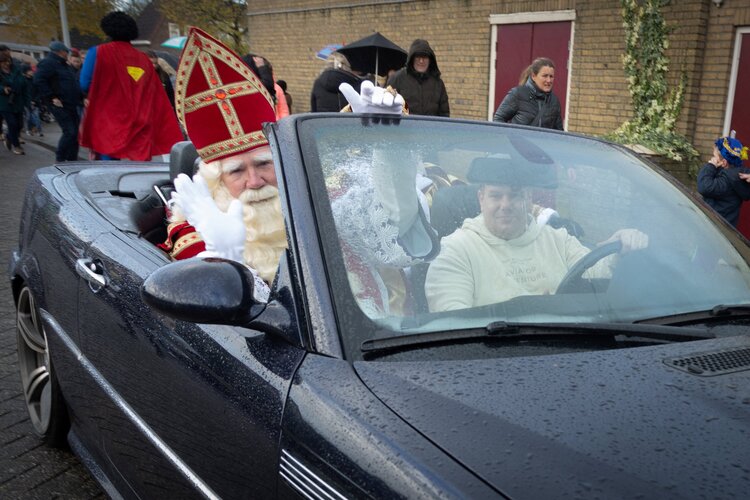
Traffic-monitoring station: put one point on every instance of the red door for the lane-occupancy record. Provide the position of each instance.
(740, 120)
(519, 44)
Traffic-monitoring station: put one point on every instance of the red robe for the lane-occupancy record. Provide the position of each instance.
(128, 115)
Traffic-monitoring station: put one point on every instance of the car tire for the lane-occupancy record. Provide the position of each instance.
(44, 400)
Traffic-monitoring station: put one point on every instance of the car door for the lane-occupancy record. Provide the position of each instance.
(188, 407)
(517, 47)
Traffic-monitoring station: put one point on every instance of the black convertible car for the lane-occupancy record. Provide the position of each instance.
(631, 378)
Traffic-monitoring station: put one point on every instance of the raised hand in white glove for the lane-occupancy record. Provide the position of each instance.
(223, 232)
(372, 99)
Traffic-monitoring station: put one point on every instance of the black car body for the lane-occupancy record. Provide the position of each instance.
(636, 385)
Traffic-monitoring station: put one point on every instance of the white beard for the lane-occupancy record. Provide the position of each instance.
(265, 237)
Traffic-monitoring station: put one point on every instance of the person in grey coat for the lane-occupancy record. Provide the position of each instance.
(532, 101)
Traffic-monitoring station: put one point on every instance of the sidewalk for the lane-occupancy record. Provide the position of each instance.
(52, 134)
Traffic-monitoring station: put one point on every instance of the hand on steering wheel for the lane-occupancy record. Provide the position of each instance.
(571, 282)
(631, 239)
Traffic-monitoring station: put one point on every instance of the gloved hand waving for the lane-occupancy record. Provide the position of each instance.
(222, 232)
(372, 99)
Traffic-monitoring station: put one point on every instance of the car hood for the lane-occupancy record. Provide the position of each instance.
(617, 423)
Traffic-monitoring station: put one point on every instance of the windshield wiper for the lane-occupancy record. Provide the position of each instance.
(720, 312)
(501, 330)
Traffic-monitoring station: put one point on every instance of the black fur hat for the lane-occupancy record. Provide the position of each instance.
(119, 26)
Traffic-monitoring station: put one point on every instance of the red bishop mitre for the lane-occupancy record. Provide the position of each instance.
(220, 102)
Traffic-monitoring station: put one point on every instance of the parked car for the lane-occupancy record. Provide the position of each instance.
(170, 380)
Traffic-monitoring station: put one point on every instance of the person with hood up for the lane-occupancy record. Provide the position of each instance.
(325, 94)
(419, 82)
(532, 101)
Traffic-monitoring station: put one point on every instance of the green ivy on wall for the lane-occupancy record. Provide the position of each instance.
(655, 108)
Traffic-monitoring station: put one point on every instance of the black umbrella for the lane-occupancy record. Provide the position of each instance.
(169, 58)
(374, 54)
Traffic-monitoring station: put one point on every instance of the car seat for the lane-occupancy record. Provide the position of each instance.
(451, 206)
(148, 212)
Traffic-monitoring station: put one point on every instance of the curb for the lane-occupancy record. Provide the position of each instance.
(32, 139)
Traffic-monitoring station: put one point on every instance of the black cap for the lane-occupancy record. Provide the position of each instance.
(508, 172)
(57, 46)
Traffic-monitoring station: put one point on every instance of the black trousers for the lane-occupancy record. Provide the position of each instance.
(67, 147)
(14, 119)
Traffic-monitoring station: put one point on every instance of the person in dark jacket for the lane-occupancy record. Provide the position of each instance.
(166, 82)
(419, 82)
(287, 95)
(31, 113)
(719, 179)
(4, 50)
(13, 99)
(532, 102)
(263, 71)
(325, 95)
(58, 88)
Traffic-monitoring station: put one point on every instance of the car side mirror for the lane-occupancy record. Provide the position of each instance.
(212, 291)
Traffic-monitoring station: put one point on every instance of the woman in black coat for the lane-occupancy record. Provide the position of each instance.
(325, 94)
(532, 102)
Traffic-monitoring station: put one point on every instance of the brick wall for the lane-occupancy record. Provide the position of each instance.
(599, 99)
(714, 87)
(290, 32)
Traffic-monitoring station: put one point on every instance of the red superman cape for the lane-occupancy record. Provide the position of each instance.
(129, 114)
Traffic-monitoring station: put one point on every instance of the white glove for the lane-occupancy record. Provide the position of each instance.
(545, 215)
(372, 99)
(222, 232)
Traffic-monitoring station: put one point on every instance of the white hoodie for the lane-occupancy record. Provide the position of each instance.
(476, 268)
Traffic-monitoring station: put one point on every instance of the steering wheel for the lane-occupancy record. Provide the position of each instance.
(571, 282)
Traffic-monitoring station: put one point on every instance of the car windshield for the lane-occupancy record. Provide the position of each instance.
(435, 225)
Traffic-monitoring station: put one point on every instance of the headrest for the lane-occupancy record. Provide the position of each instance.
(182, 159)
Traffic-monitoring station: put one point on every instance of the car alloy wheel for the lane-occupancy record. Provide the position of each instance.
(40, 388)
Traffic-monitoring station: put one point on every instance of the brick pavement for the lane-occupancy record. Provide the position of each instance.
(28, 469)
